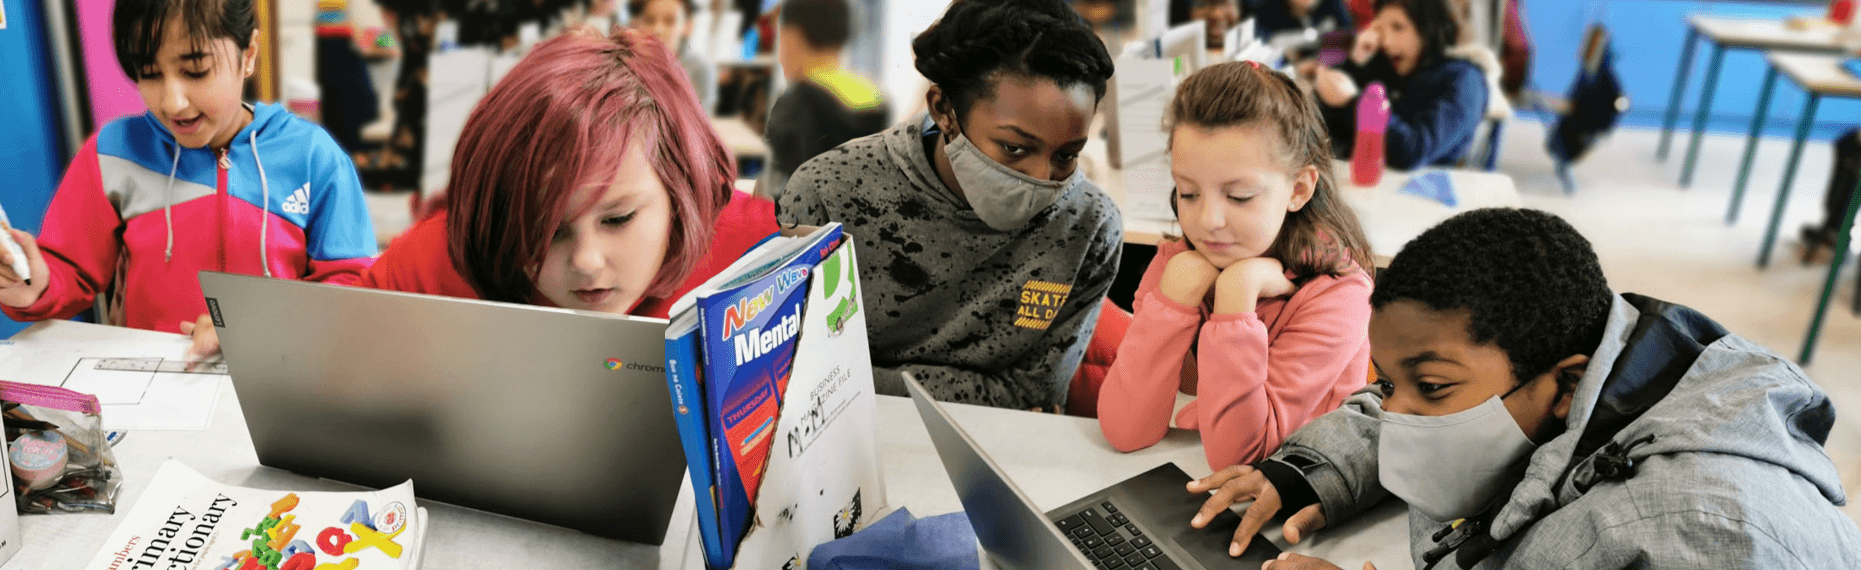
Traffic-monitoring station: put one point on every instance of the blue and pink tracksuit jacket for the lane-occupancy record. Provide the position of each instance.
(138, 216)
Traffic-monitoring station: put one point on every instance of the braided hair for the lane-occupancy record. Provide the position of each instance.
(976, 40)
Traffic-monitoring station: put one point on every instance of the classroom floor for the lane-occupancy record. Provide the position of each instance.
(1659, 240)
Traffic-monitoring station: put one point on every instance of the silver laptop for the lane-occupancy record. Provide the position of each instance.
(556, 416)
(1141, 523)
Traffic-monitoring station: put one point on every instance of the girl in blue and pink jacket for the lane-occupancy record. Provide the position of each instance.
(202, 181)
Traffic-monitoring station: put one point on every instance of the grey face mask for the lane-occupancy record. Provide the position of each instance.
(1004, 198)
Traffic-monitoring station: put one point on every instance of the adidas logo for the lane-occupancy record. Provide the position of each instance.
(299, 202)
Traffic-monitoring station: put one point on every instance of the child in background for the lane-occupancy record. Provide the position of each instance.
(825, 104)
(348, 93)
(1263, 307)
(670, 21)
(1436, 99)
(201, 181)
(588, 179)
(1276, 16)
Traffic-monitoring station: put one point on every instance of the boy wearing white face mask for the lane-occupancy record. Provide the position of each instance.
(1532, 418)
(984, 253)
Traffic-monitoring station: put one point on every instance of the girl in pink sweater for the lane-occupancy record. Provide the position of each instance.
(1262, 311)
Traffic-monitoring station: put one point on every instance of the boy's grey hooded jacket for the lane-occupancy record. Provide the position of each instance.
(1686, 447)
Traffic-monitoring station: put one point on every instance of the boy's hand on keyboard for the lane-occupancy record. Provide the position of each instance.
(1242, 483)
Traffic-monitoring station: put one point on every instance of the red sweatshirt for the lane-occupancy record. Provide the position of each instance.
(1262, 375)
(418, 261)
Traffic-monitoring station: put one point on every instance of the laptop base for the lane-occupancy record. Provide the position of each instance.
(1158, 505)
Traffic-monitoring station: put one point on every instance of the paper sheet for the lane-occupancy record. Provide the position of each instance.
(156, 397)
(1144, 90)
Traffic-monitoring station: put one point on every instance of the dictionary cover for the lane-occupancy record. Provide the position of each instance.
(186, 521)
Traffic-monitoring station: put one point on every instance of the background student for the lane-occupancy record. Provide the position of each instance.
(984, 252)
(1261, 308)
(825, 103)
(588, 179)
(1530, 417)
(1276, 16)
(1436, 100)
(670, 21)
(202, 181)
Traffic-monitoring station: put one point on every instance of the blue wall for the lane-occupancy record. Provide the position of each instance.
(30, 146)
(1648, 38)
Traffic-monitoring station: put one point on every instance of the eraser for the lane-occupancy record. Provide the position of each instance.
(38, 457)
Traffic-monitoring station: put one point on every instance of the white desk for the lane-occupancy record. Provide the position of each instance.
(737, 136)
(458, 538)
(1054, 458)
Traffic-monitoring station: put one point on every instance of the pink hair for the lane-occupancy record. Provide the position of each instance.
(560, 121)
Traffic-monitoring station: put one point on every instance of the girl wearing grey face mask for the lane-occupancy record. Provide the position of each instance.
(1004, 198)
(983, 251)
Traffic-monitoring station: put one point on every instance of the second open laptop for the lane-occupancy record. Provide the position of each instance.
(557, 416)
(1141, 523)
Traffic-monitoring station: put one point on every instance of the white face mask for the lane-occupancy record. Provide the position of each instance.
(1454, 466)
(1003, 197)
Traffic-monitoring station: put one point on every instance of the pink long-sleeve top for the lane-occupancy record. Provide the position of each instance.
(1262, 374)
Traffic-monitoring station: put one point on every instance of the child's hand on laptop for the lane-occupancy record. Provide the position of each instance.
(206, 339)
(1242, 483)
(1290, 561)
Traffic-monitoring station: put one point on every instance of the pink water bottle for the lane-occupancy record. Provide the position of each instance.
(1372, 119)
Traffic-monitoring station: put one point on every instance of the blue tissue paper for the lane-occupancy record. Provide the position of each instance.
(901, 542)
(1434, 186)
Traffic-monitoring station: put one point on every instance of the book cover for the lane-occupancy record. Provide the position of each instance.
(688, 410)
(185, 521)
(824, 479)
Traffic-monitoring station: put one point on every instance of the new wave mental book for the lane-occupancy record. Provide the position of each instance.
(729, 360)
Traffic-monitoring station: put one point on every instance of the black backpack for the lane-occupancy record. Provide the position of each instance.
(1596, 101)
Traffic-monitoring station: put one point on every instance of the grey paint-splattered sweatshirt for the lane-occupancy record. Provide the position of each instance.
(977, 315)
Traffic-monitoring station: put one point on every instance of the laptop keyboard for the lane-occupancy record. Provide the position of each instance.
(1112, 541)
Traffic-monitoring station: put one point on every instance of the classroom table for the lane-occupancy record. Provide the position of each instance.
(1053, 458)
(737, 136)
(1731, 33)
(1820, 76)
